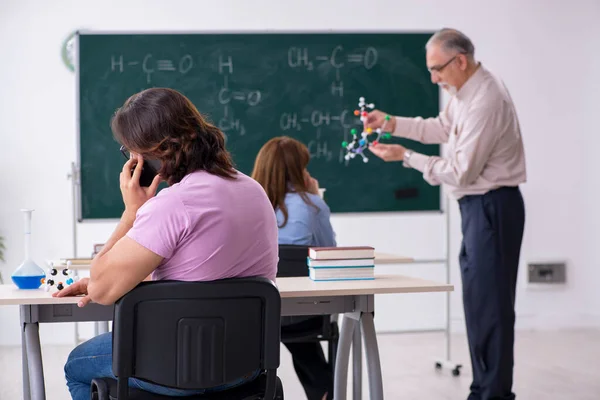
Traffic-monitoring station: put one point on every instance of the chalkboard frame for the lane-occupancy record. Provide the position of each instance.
(77, 178)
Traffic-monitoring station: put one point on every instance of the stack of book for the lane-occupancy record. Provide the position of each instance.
(341, 263)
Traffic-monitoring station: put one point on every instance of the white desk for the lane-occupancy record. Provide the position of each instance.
(299, 296)
(83, 264)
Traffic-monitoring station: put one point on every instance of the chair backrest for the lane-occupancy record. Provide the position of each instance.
(292, 261)
(194, 335)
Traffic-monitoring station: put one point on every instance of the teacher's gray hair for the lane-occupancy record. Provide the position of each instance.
(452, 40)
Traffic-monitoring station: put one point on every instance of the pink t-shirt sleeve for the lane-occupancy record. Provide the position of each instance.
(160, 224)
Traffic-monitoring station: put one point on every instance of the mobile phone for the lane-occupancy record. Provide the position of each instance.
(149, 169)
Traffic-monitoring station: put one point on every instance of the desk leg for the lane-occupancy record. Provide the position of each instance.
(100, 327)
(34, 361)
(26, 392)
(356, 364)
(342, 358)
(372, 354)
(76, 275)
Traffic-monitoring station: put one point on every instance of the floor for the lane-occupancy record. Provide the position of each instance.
(549, 366)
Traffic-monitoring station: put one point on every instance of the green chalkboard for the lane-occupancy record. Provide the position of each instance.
(255, 86)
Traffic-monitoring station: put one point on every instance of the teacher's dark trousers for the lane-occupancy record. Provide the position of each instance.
(492, 227)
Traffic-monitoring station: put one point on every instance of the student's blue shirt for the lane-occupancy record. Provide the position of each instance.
(306, 224)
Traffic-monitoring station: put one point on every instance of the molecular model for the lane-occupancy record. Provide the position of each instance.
(358, 146)
(53, 278)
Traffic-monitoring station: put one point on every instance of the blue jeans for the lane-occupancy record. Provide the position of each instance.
(93, 359)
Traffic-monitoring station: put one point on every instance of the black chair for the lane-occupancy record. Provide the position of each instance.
(292, 263)
(196, 335)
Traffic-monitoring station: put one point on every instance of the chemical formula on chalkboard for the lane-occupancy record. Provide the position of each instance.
(299, 57)
(226, 94)
(150, 65)
(338, 59)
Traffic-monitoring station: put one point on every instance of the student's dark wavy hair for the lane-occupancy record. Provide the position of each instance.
(163, 124)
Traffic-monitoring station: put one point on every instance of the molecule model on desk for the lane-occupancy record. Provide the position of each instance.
(358, 145)
(53, 278)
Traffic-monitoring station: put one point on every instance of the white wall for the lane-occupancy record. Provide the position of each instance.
(587, 179)
(546, 51)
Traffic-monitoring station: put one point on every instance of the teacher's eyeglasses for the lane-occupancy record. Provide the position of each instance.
(438, 68)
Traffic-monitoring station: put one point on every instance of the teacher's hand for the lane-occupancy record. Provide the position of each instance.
(376, 119)
(388, 152)
(133, 194)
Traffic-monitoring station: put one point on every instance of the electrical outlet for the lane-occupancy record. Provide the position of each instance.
(547, 272)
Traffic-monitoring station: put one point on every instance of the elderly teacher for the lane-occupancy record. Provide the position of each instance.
(484, 165)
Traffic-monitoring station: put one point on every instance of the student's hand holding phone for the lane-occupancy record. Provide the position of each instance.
(135, 195)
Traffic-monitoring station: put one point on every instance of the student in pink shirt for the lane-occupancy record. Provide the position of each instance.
(212, 222)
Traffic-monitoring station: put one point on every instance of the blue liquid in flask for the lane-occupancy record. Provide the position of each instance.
(28, 275)
(28, 282)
